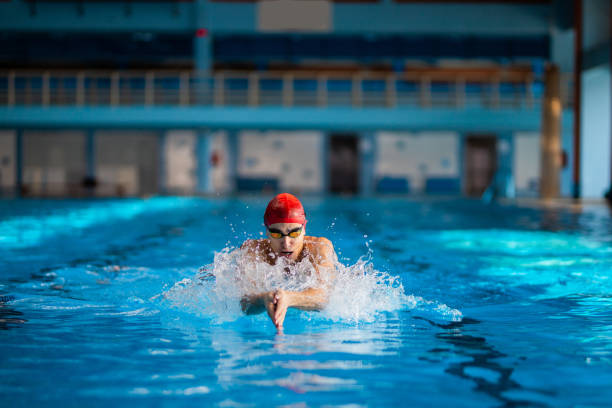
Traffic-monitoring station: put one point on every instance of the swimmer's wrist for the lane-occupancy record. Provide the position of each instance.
(291, 298)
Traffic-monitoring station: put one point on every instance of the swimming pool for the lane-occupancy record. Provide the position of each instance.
(453, 303)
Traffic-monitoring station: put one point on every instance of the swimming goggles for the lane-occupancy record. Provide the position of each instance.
(276, 234)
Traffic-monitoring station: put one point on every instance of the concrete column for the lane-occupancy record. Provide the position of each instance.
(89, 183)
(233, 144)
(461, 160)
(203, 143)
(577, 95)
(367, 157)
(608, 194)
(325, 162)
(90, 154)
(202, 41)
(550, 140)
(161, 162)
(19, 162)
(505, 176)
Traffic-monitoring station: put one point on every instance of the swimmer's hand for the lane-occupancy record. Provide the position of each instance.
(255, 304)
(309, 299)
(278, 301)
(282, 302)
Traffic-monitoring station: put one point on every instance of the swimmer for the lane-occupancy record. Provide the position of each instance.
(285, 223)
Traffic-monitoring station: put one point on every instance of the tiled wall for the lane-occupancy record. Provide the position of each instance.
(53, 161)
(126, 162)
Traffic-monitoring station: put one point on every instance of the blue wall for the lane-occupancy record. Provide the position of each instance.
(241, 17)
(595, 129)
(469, 119)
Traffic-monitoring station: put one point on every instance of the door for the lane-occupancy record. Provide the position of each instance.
(480, 163)
(343, 163)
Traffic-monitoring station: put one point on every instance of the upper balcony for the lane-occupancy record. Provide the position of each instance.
(426, 90)
(455, 89)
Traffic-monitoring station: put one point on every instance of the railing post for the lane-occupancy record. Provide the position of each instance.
(184, 88)
(219, 90)
(391, 91)
(28, 90)
(11, 89)
(45, 89)
(356, 94)
(425, 92)
(322, 90)
(114, 89)
(149, 88)
(253, 91)
(460, 93)
(288, 90)
(80, 89)
(59, 97)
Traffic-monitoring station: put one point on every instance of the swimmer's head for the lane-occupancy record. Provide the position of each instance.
(284, 208)
(286, 225)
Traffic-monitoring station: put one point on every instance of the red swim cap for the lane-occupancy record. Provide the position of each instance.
(284, 208)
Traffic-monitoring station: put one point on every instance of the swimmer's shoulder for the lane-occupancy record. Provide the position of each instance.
(254, 245)
(319, 244)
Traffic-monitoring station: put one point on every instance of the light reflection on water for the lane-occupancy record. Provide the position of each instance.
(88, 323)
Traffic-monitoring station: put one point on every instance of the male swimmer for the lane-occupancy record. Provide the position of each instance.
(285, 222)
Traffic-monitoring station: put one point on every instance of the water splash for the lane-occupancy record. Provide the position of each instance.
(358, 293)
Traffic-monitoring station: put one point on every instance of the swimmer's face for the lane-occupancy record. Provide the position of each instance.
(287, 246)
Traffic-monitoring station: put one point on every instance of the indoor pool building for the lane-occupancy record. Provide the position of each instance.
(388, 96)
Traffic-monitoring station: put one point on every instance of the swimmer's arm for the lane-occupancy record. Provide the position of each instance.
(253, 304)
(316, 298)
(325, 264)
(308, 299)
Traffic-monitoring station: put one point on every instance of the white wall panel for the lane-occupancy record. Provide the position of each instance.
(53, 161)
(526, 163)
(595, 132)
(417, 156)
(220, 172)
(181, 161)
(294, 15)
(126, 162)
(292, 157)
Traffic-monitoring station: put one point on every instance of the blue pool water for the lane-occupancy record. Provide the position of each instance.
(439, 303)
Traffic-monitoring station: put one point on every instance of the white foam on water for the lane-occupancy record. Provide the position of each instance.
(358, 293)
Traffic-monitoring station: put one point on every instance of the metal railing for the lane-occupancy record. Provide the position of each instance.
(186, 88)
